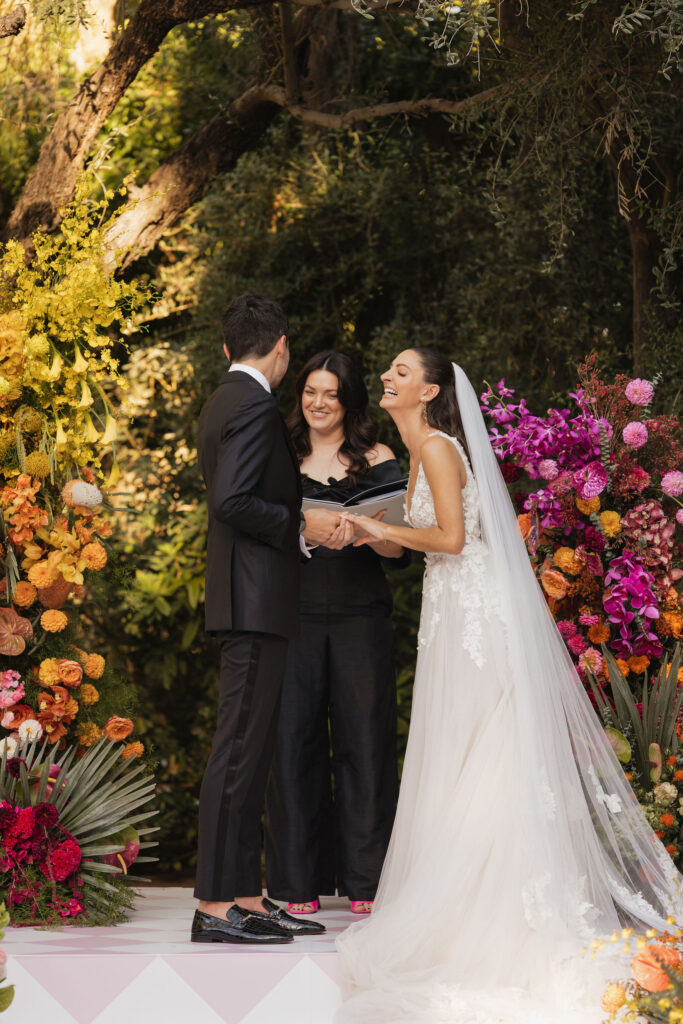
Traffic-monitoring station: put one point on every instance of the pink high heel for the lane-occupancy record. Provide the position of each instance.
(313, 904)
(355, 904)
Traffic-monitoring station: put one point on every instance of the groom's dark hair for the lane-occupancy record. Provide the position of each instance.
(252, 326)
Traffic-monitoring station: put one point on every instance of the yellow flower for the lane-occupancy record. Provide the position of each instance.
(88, 733)
(42, 575)
(94, 666)
(88, 694)
(588, 506)
(566, 560)
(37, 464)
(24, 594)
(611, 523)
(48, 673)
(613, 998)
(94, 556)
(54, 621)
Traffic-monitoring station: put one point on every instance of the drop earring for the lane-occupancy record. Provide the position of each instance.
(424, 413)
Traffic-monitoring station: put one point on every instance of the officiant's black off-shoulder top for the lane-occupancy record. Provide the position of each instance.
(350, 581)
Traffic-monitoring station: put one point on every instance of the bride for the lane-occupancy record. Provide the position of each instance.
(517, 837)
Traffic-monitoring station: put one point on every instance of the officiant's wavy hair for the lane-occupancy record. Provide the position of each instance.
(360, 430)
(252, 326)
(443, 412)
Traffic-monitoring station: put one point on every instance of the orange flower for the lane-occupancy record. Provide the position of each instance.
(48, 673)
(88, 733)
(638, 664)
(53, 621)
(70, 672)
(671, 850)
(118, 728)
(94, 666)
(679, 677)
(647, 967)
(667, 820)
(20, 714)
(53, 730)
(599, 633)
(628, 776)
(588, 506)
(24, 594)
(672, 760)
(566, 560)
(42, 575)
(88, 694)
(674, 621)
(79, 591)
(678, 776)
(524, 523)
(133, 750)
(659, 834)
(554, 584)
(94, 556)
(624, 666)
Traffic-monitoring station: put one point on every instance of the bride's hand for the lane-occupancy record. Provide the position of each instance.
(367, 529)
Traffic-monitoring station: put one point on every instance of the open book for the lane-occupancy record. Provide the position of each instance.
(389, 496)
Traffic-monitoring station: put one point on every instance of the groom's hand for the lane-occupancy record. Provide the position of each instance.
(325, 528)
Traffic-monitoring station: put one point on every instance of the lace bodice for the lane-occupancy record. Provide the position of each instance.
(466, 574)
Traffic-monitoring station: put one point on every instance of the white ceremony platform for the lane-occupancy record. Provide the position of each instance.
(148, 972)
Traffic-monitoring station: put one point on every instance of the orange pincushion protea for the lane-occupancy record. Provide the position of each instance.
(53, 621)
(94, 666)
(647, 967)
(24, 594)
(94, 556)
(118, 728)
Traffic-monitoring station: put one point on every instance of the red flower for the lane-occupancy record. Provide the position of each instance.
(65, 859)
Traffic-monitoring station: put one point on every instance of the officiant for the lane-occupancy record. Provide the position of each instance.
(334, 781)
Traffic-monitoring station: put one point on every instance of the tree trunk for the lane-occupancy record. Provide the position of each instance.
(181, 179)
(52, 182)
(643, 250)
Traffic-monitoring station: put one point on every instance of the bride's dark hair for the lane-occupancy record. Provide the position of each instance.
(360, 430)
(443, 412)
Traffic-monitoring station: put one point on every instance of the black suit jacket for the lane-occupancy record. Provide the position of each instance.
(254, 498)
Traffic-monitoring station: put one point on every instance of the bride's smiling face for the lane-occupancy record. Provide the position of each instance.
(404, 384)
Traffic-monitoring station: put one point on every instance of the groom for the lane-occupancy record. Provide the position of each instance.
(252, 478)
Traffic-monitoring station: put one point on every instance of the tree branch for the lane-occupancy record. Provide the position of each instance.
(181, 179)
(51, 184)
(276, 94)
(11, 24)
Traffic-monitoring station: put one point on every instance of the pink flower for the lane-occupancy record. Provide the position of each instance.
(679, 516)
(672, 483)
(635, 434)
(6, 720)
(590, 480)
(10, 697)
(638, 478)
(639, 391)
(9, 679)
(589, 620)
(567, 628)
(577, 644)
(548, 469)
(592, 659)
(562, 483)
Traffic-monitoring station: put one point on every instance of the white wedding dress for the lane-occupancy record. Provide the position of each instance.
(517, 838)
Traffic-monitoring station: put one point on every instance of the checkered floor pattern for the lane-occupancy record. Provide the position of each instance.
(148, 972)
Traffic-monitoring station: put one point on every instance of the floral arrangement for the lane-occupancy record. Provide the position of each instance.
(602, 514)
(67, 835)
(6, 991)
(654, 990)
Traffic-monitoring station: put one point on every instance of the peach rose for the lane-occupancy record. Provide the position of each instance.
(24, 594)
(647, 967)
(53, 621)
(94, 666)
(20, 713)
(554, 584)
(118, 728)
(70, 672)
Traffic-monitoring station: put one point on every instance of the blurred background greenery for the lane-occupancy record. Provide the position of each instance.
(513, 237)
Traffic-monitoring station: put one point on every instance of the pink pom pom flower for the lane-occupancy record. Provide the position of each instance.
(548, 469)
(672, 483)
(639, 391)
(635, 434)
(679, 516)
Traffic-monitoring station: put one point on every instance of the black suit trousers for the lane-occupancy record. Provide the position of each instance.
(233, 788)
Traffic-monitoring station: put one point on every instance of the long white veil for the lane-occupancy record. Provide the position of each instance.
(612, 850)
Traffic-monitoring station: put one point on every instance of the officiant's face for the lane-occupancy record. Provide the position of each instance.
(320, 402)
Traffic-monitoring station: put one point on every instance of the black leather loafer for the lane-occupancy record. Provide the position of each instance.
(238, 926)
(293, 925)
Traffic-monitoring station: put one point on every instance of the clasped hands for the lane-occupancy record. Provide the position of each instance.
(337, 530)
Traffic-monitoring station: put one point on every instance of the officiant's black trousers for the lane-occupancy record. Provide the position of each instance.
(329, 814)
(233, 788)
